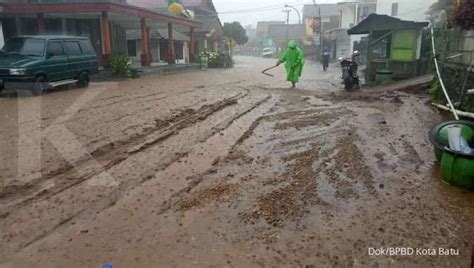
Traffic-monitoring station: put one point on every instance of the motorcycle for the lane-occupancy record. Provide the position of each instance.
(350, 76)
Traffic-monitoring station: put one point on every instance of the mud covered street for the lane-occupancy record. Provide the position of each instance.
(225, 168)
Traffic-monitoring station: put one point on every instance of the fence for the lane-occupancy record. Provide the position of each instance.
(456, 54)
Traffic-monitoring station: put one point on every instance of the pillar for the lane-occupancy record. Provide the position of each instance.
(41, 24)
(149, 45)
(106, 38)
(145, 56)
(171, 53)
(191, 44)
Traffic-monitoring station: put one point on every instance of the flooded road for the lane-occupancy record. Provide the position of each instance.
(225, 168)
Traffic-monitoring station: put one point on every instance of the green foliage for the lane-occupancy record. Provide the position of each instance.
(436, 91)
(215, 60)
(212, 58)
(121, 65)
(235, 31)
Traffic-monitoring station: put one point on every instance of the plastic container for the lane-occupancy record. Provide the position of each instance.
(458, 169)
(383, 75)
(454, 138)
(457, 166)
(439, 135)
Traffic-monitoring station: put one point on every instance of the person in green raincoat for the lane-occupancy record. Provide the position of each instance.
(294, 61)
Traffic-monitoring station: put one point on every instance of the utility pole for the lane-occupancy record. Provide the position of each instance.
(321, 30)
(321, 40)
(287, 11)
(297, 12)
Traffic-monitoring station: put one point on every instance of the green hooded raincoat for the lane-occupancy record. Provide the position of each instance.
(294, 61)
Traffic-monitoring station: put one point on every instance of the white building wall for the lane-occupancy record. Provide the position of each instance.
(413, 10)
(348, 16)
(137, 58)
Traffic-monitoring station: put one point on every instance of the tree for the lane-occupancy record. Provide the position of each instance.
(462, 15)
(235, 31)
(438, 12)
(457, 13)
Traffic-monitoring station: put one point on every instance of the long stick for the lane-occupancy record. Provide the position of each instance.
(446, 108)
(440, 78)
(268, 69)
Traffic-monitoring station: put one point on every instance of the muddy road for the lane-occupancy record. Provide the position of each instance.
(225, 168)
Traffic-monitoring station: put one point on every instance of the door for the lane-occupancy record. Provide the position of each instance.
(56, 67)
(77, 61)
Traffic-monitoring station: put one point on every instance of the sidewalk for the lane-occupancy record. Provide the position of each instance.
(106, 74)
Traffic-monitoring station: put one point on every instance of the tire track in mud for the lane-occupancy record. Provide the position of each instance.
(142, 99)
(201, 158)
(241, 111)
(122, 101)
(150, 141)
(193, 183)
(173, 179)
(270, 117)
(117, 154)
(47, 233)
(146, 99)
(160, 93)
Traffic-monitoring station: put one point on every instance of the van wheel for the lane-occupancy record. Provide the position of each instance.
(40, 86)
(83, 80)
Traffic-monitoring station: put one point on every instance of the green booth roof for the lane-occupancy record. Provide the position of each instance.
(376, 22)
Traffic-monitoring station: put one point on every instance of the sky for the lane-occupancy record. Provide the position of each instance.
(251, 18)
(265, 10)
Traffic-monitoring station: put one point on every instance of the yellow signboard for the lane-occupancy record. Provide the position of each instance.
(230, 42)
(309, 29)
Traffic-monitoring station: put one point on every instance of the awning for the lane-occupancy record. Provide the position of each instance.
(376, 22)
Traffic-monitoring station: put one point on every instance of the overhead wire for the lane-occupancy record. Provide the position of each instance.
(260, 9)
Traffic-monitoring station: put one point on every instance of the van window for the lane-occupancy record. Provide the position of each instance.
(55, 48)
(25, 46)
(86, 47)
(72, 48)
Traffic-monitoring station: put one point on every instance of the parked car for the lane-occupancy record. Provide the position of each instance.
(268, 52)
(40, 62)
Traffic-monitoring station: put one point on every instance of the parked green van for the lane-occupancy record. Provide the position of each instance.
(40, 62)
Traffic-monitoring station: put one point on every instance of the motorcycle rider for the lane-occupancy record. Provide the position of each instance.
(326, 56)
